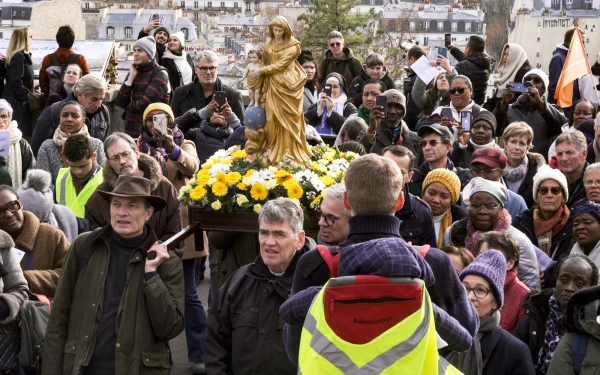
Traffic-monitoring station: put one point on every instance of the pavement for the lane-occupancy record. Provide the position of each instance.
(181, 366)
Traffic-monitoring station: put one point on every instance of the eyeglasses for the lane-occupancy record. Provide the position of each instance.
(72, 72)
(4, 117)
(431, 142)
(535, 80)
(117, 158)
(460, 90)
(11, 207)
(485, 172)
(329, 219)
(591, 182)
(335, 44)
(583, 113)
(205, 69)
(554, 190)
(479, 291)
(488, 207)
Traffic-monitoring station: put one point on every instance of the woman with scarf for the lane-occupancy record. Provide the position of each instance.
(582, 119)
(178, 63)
(548, 224)
(586, 229)
(542, 326)
(485, 202)
(72, 121)
(522, 165)
(441, 191)
(512, 67)
(180, 163)
(493, 351)
(20, 156)
(330, 113)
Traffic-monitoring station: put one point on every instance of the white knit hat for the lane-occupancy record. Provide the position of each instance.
(546, 173)
(181, 36)
(542, 75)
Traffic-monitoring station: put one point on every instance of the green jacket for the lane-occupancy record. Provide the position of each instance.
(348, 66)
(150, 314)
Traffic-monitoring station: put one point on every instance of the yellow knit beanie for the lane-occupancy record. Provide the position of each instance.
(447, 178)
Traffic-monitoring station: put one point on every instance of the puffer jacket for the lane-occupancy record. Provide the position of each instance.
(208, 139)
(348, 66)
(514, 301)
(546, 125)
(410, 140)
(165, 223)
(13, 286)
(149, 315)
(356, 86)
(476, 66)
(562, 242)
(580, 317)
(531, 329)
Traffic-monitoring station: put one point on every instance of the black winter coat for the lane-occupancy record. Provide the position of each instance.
(173, 71)
(335, 120)
(531, 329)
(504, 354)
(19, 81)
(534, 161)
(244, 329)
(562, 242)
(415, 186)
(383, 139)
(417, 222)
(27, 158)
(208, 139)
(494, 100)
(411, 118)
(356, 86)
(476, 66)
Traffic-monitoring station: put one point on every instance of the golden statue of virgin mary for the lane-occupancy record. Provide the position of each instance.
(283, 84)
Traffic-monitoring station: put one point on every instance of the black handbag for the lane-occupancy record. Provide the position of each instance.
(9, 346)
(36, 99)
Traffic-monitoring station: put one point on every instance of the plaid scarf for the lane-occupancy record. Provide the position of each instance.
(551, 338)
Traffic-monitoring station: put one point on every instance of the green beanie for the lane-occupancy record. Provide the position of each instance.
(165, 29)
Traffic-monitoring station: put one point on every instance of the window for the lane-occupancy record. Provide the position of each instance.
(222, 4)
(196, 16)
(182, 4)
(195, 5)
(440, 25)
(209, 4)
(478, 27)
(185, 33)
(537, 54)
(454, 26)
(235, 5)
(248, 7)
(128, 32)
(426, 25)
(87, 5)
(110, 32)
(468, 26)
(538, 39)
(411, 25)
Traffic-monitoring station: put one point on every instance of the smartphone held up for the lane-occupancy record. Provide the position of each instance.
(159, 123)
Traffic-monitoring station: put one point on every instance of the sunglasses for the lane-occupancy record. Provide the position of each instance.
(536, 80)
(431, 142)
(335, 44)
(554, 190)
(459, 90)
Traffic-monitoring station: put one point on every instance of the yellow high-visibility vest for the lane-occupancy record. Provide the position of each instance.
(65, 191)
(410, 347)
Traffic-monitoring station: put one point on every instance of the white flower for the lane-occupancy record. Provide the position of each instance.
(257, 208)
(216, 205)
(184, 189)
(323, 161)
(272, 169)
(241, 199)
(271, 184)
(247, 181)
(211, 181)
(221, 154)
(318, 185)
(219, 167)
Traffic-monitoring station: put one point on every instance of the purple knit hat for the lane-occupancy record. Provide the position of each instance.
(491, 265)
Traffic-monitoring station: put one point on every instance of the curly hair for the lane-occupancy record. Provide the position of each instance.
(78, 147)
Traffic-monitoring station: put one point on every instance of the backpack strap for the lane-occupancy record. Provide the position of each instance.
(331, 256)
(424, 250)
(71, 59)
(86, 250)
(54, 59)
(578, 351)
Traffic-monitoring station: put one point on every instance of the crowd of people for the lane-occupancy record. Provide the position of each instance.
(475, 250)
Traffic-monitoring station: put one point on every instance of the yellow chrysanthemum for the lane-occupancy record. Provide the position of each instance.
(197, 193)
(216, 205)
(250, 172)
(314, 165)
(288, 183)
(227, 161)
(233, 178)
(221, 177)
(282, 176)
(241, 154)
(327, 180)
(295, 191)
(257, 208)
(241, 186)
(259, 192)
(202, 178)
(316, 201)
(219, 189)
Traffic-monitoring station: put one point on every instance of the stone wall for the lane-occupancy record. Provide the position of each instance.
(47, 17)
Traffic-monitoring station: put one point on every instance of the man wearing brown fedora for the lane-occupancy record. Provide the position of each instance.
(120, 297)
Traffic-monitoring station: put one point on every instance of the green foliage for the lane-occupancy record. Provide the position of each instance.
(324, 16)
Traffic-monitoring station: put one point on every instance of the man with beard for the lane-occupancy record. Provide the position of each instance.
(387, 128)
(161, 36)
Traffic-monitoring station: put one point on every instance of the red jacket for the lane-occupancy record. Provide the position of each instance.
(514, 301)
(63, 55)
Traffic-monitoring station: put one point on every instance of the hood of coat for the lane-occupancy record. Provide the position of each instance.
(348, 54)
(364, 75)
(540, 300)
(583, 310)
(146, 164)
(480, 59)
(29, 230)
(538, 158)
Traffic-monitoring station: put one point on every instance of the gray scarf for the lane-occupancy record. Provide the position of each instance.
(470, 362)
(514, 174)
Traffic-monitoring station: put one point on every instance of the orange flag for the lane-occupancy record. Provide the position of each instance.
(576, 65)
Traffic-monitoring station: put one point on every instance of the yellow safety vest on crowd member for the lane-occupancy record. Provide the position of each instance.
(65, 190)
(409, 347)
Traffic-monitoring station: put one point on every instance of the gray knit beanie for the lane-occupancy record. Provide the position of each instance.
(36, 195)
(148, 44)
(491, 265)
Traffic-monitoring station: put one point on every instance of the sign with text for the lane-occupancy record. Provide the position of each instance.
(4, 142)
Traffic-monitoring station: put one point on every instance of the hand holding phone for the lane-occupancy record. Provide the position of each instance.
(447, 113)
(443, 52)
(447, 39)
(465, 121)
(155, 17)
(160, 123)
(519, 87)
(382, 101)
(327, 89)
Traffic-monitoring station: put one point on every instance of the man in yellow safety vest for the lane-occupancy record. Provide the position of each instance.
(75, 184)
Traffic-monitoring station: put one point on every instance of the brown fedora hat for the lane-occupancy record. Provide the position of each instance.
(132, 186)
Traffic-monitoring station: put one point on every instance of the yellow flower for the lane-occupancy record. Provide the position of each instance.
(327, 180)
(257, 208)
(316, 201)
(216, 205)
(323, 161)
(197, 193)
(259, 192)
(241, 186)
(240, 154)
(221, 177)
(241, 199)
(227, 161)
(295, 191)
(282, 176)
(219, 189)
(233, 178)
(202, 178)
(289, 183)
(250, 172)
(314, 165)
